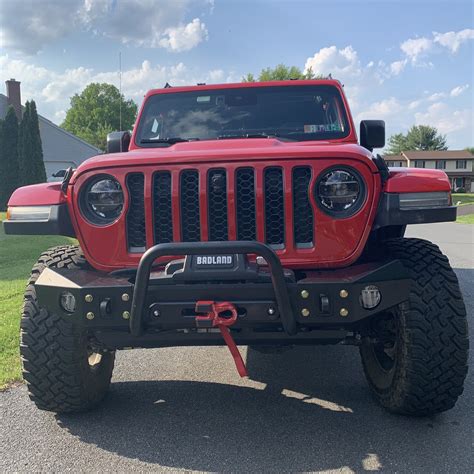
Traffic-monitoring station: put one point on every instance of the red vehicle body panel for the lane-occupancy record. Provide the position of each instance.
(416, 180)
(43, 194)
(338, 242)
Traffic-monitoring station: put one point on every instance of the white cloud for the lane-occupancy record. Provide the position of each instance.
(397, 67)
(453, 39)
(27, 28)
(455, 92)
(52, 90)
(216, 75)
(445, 118)
(340, 63)
(414, 48)
(458, 90)
(382, 109)
(184, 37)
(414, 104)
(436, 96)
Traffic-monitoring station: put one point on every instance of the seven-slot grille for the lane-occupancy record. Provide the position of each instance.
(218, 204)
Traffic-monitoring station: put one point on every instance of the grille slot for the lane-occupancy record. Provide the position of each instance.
(271, 206)
(245, 204)
(274, 207)
(302, 210)
(136, 236)
(217, 205)
(162, 214)
(189, 202)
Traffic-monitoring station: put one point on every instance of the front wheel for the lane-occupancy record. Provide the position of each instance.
(415, 355)
(63, 368)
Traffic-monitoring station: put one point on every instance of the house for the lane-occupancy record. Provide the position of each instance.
(457, 164)
(398, 161)
(61, 149)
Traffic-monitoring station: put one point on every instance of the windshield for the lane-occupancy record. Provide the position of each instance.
(288, 112)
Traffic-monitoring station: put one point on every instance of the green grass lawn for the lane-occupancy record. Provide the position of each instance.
(468, 219)
(17, 256)
(464, 198)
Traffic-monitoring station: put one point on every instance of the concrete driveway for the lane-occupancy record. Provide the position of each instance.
(308, 409)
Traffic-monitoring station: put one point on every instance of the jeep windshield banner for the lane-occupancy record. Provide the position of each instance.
(288, 113)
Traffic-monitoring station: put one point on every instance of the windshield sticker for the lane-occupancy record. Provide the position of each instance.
(154, 127)
(204, 98)
(330, 127)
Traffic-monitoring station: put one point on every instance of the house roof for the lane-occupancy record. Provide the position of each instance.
(439, 155)
(3, 111)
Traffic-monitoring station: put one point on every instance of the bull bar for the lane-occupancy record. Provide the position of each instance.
(211, 248)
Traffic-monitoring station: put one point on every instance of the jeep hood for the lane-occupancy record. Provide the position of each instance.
(222, 151)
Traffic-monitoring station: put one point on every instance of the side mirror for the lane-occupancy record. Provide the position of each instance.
(372, 134)
(118, 142)
(59, 174)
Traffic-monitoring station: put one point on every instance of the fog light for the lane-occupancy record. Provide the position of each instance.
(68, 302)
(370, 297)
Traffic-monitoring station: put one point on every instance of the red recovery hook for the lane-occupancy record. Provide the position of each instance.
(213, 318)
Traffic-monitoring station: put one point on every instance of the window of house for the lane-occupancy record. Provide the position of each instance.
(461, 164)
(420, 163)
(441, 164)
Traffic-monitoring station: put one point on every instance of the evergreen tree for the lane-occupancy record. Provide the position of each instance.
(9, 173)
(39, 171)
(23, 165)
(30, 150)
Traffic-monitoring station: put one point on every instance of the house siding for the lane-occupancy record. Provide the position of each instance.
(458, 177)
(62, 150)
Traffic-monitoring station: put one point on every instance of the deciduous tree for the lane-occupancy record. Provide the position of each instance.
(419, 137)
(281, 73)
(96, 111)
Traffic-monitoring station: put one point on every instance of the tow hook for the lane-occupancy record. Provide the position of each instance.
(214, 318)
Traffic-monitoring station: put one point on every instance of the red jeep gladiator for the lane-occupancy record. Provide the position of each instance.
(242, 214)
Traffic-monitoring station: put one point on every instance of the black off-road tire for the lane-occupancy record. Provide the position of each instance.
(430, 350)
(55, 353)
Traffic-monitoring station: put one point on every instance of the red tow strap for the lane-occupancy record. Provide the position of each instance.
(213, 318)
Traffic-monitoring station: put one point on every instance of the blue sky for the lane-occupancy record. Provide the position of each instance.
(403, 61)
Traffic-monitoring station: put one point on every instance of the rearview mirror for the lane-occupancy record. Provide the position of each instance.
(118, 142)
(372, 134)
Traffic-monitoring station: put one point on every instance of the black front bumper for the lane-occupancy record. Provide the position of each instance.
(157, 308)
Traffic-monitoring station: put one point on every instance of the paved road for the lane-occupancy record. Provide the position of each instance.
(308, 409)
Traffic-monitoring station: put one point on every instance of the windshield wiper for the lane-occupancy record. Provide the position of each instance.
(168, 141)
(247, 135)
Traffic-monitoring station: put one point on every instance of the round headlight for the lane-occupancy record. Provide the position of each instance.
(102, 200)
(340, 192)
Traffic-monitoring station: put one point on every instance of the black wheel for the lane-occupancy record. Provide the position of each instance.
(63, 369)
(415, 355)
